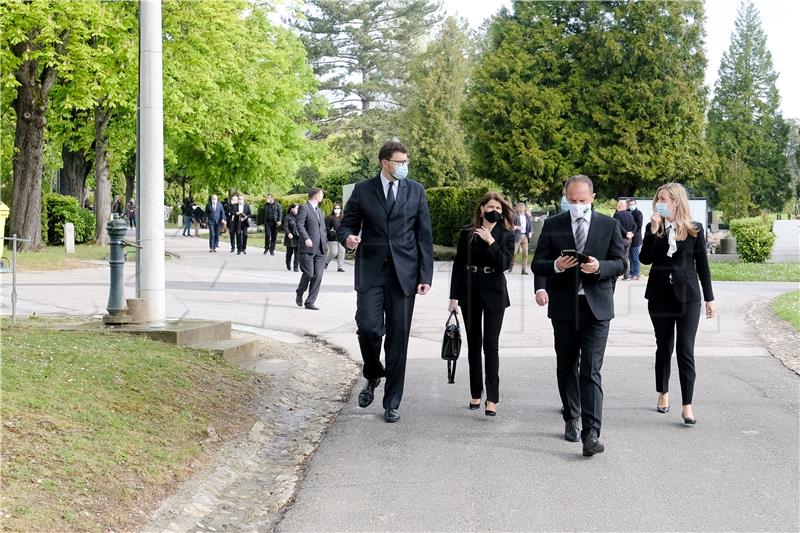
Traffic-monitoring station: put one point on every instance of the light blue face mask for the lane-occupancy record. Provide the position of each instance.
(401, 171)
(564, 204)
(663, 209)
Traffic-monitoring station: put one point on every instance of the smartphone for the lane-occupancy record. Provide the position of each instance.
(577, 255)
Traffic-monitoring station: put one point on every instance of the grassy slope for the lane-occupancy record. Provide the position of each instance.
(787, 306)
(98, 424)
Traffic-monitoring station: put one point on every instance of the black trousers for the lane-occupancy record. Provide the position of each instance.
(669, 316)
(488, 339)
(579, 357)
(313, 267)
(291, 251)
(270, 235)
(385, 312)
(241, 240)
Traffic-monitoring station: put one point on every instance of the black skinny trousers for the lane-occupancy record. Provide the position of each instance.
(488, 339)
(675, 325)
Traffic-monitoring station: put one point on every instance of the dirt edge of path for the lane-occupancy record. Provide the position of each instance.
(779, 337)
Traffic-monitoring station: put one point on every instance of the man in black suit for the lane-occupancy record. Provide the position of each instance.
(240, 221)
(580, 300)
(312, 249)
(387, 221)
(273, 216)
(636, 244)
(628, 228)
(214, 214)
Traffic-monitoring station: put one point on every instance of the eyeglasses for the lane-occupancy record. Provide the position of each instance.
(399, 163)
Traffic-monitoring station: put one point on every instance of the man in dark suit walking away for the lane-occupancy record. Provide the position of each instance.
(313, 247)
(580, 298)
(628, 229)
(215, 214)
(386, 220)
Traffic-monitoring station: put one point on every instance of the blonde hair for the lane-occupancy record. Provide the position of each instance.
(683, 216)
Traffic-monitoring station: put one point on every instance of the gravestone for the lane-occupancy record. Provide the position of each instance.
(69, 237)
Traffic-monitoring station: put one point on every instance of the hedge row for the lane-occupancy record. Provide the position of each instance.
(59, 209)
(451, 209)
(754, 238)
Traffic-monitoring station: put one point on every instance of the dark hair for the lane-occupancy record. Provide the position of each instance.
(579, 178)
(508, 211)
(313, 191)
(389, 148)
(334, 209)
(292, 206)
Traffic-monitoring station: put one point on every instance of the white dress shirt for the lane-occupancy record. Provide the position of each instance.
(385, 183)
(588, 223)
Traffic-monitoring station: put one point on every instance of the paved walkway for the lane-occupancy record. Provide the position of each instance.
(445, 468)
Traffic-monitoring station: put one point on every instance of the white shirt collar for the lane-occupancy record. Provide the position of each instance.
(385, 182)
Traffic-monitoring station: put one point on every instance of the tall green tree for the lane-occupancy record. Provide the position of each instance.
(39, 41)
(745, 116)
(436, 95)
(360, 50)
(613, 90)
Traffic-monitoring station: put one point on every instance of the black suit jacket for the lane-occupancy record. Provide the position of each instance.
(473, 251)
(239, 223)
(637, 235)
(311, 225)
(604, 242)
(680, 272)
(403, 235)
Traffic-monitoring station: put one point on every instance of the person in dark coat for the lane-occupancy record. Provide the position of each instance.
(312, 249)
(240, 223)
(273, 216)
(628, 228)
(478, 285)
(332, 223)
(636, 245)
(676, 247)
(290, 237)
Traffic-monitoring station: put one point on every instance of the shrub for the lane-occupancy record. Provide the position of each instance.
(754, 238)
(61, 209)
(451, 209)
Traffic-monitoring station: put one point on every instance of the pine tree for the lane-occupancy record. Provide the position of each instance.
(360, 50)
(744, 117)
(437, 92)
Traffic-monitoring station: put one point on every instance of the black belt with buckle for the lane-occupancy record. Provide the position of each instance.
(480, 270)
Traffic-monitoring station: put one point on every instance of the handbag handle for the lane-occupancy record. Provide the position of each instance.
(452, 314)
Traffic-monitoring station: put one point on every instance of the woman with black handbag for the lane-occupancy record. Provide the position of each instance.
(478, 285)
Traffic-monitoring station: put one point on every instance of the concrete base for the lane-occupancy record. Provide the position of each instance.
(185, 332)
(113, 320)
(138, 310)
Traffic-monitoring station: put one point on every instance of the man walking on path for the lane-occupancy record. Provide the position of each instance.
(240, 224)
(386, 220)
(523, 230)
(273, 216)
(628, 229)
(580, 252)
(636, 244)
(313, 247)
(215, 215)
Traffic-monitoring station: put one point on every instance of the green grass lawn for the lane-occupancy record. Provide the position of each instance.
(737, 271)
(97, 424)
(55, 258)
(787, 306)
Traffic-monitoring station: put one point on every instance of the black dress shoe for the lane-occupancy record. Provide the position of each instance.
(489, 412)
(367, 394)
(572, 430)
(592, 444)
(391, 415)
(689, 420)
(312, 307)
(474, 406)
(299, 300)
(662, 409)
(265, 252)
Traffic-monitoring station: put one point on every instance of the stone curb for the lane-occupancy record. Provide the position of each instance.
(779, 337)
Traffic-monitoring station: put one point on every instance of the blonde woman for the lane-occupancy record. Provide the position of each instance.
(676, 247)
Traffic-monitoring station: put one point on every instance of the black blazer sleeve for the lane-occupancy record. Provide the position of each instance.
(648, 247)
(457, 277)
(424, 234)
(302, 214)
(502, 250)
(352, 218)
(701, 263)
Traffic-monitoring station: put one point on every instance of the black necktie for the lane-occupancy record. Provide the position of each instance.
(390, 197)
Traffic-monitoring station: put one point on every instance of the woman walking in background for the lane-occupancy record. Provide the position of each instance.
(478, 284)
(290, 237)
(332, 223)
(676, 247)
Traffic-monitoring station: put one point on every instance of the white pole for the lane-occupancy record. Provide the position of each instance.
(151, 272)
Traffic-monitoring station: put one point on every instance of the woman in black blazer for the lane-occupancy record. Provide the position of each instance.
(676, 247)
(478, 284)
(291, 237)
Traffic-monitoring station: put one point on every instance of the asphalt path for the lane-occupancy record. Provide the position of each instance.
(445, 468)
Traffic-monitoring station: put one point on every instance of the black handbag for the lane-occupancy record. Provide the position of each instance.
(451, 345)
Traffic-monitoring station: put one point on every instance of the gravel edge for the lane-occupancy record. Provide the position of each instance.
(779, 337)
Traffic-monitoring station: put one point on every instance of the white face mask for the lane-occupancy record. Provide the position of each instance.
(580, 210)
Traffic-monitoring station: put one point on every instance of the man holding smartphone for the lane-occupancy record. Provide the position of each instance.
(580, 253)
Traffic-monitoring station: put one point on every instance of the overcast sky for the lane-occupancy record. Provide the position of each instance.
(778, 17)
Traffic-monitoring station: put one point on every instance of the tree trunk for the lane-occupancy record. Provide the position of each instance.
(129, 171)
(26, 208)
(73, 175)
(102, 194)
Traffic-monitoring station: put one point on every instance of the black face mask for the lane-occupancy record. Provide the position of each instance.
(493, 216)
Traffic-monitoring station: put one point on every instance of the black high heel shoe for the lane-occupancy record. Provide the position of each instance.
(487, 412)
(474, 406)
(662, 409)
